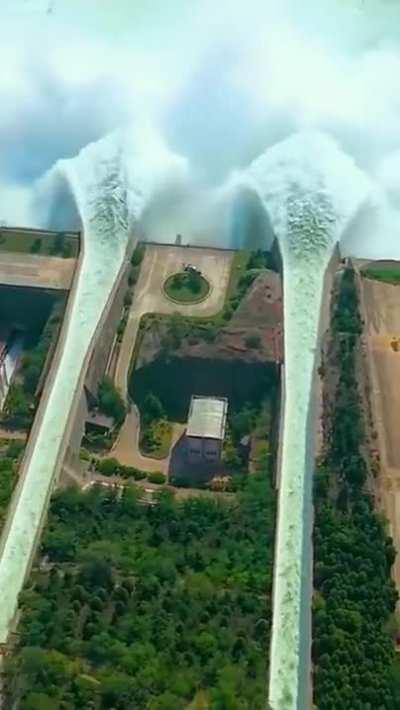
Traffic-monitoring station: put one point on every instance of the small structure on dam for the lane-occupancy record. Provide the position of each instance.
(205, 430)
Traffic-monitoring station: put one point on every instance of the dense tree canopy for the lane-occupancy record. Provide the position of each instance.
(161, 607)
(352, 651)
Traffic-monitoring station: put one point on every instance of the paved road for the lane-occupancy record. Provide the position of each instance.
(33, 271)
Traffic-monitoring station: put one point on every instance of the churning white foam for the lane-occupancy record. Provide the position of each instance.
(311, 192)
(220, 83)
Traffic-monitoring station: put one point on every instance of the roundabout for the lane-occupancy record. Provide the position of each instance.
(186, 287)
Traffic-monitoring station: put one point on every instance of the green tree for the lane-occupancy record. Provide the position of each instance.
(253, 341)
(17, 403)
(138, 254)
(61, 544)
(156, 477)
(110, 400)
(96, 573)
(36, 246)
(152, 408)
(108, 467)
(157, 602)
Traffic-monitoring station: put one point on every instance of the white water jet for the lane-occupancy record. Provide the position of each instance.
(311, 191)
(222, 83)
(110, 197)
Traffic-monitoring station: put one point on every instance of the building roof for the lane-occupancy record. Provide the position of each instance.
(207, 417)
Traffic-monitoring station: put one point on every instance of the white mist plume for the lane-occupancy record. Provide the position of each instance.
(111, 181)
(220, 83)
(308, 172)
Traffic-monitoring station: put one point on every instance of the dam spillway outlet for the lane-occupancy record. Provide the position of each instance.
(291, 642)
(301, 183)
(110, 192)
(98, 272)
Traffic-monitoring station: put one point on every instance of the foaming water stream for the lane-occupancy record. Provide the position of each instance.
(309, 214)
(219, 84)
(110, 201)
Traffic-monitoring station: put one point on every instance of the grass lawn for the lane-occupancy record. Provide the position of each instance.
(391, 275)
(155, 440)
(186, 288)
(64, 244)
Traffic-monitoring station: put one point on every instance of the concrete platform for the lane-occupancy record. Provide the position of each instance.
(33, 271)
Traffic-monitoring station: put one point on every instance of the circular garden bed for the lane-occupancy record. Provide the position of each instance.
(186, 287)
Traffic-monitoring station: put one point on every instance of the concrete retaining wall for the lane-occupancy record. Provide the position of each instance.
(97, 365)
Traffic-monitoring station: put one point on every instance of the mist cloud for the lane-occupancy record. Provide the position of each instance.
(220, 84)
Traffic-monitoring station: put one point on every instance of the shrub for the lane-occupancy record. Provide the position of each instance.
(157, 477)
(138, 254)
(227, 313)
(234, 302)
(253, 341)
(32, 376)
(15, 448)
(132, 278)
(127, 471)
(152, 408)
(84, 454)
(36, 246)
(131, 472)
(17, 403)
(210, 332)
(260, 260)
(108, 467)
(128, 298)
(110, 400)
(247, 279)
(139, 475)
(121, 328)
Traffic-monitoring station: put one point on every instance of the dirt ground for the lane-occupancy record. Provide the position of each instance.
(380, 309)
(36, 271)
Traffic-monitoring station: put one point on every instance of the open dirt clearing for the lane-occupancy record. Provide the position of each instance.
(380, 306)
